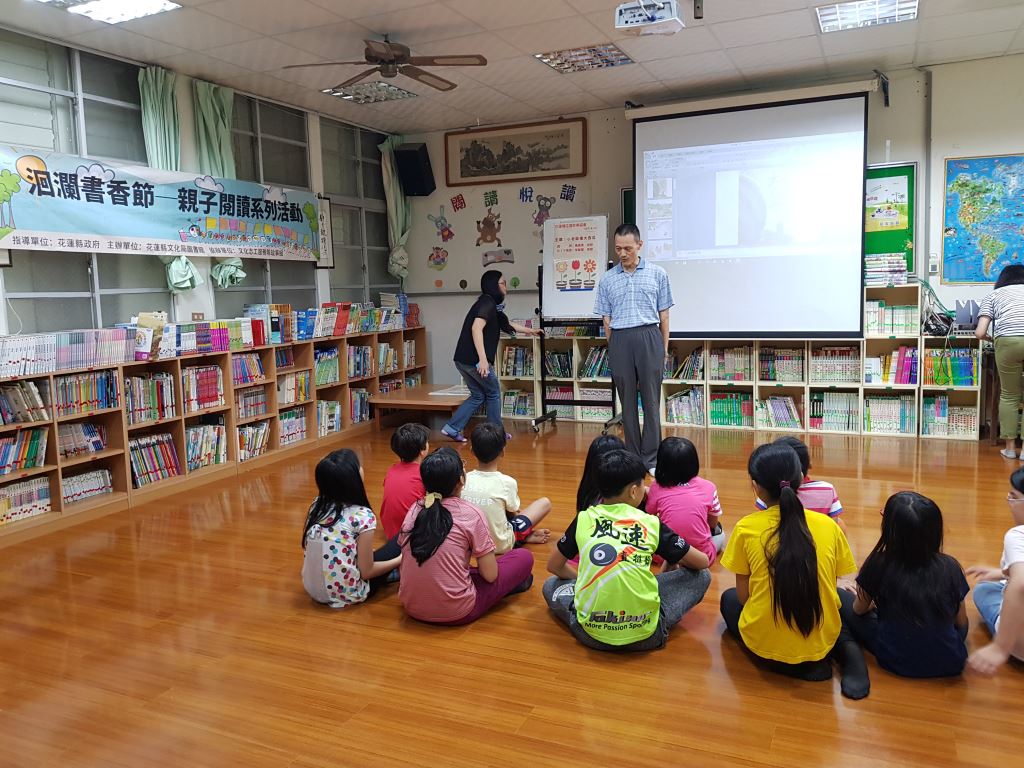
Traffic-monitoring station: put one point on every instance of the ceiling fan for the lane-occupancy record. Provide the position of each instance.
(392, 59)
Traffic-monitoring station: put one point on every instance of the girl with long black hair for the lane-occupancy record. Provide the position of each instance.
(439, 536)
(785, 606)
(340, 566)
(909, 610)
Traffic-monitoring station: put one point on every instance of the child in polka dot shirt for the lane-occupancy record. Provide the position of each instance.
(340, 566)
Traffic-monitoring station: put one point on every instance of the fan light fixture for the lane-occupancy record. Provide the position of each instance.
(584, 59)
(865, 13)
(369, 93)
(113, 11)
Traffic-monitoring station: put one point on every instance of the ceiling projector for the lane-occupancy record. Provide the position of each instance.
(649, 17)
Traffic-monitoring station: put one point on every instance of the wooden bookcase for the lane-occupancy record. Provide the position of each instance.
(115, 457)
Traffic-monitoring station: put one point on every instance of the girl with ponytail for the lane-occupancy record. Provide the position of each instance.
(440, 534)
(785, 606)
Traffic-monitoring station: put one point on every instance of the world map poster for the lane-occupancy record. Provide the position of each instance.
(983, 217)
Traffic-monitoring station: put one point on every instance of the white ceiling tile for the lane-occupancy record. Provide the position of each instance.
(959, 25)
(121, 42)
(641, 94)
(765, 29)
(610, 77)
(1018, 42)
(544, 37)
(567, 104)
(540, 90)
(513, 71)
(730, 10)
(785, 77)
(473, 99)
(354, 9)
(814, 67)
(511, 14)
(199, 65)
(272, 18)
(930, 8)
(261, 55)
(865, 61)
(421, 24)
(776, 53)
(976, 47)
(334, 42)
(190, 28)
(652, 47)
(688, 88)
(262, 84)
(44, 20)
(588, 6)
(486, 44)
(694, 67)
(870, 38)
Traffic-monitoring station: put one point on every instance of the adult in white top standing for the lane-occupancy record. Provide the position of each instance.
(1003, 312)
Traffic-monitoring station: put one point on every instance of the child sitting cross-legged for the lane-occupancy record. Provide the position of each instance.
(497, 494)
(402, 484)
(612, 601)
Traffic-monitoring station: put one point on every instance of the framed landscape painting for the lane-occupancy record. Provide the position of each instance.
(555, 149)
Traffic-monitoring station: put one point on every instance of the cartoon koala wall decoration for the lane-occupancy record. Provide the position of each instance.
(489, 228)
(543, 210)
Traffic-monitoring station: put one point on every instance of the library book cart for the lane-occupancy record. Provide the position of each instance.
(109, 438)
(891, 381)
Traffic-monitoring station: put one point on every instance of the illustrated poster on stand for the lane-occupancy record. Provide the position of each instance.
(890, 211)
(575, 258)
(983, 217)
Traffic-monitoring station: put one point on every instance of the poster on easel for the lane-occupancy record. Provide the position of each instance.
(890, 211)
(575, 259)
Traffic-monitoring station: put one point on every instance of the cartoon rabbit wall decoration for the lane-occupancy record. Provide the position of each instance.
(489, 228)
(444, 231)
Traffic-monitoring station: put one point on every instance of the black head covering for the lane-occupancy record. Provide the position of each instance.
(489, 285)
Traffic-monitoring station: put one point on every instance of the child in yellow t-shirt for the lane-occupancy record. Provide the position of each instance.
(785, 606)
(497, 494)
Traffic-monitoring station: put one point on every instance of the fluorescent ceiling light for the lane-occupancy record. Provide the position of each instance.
(113, 11)
(370, 93)
(865, 13)
(586, 58)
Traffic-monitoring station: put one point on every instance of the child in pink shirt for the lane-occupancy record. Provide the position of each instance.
(688, 504)
(438, 537)
(816, 495)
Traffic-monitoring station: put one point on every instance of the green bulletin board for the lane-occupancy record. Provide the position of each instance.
(628, 202)
(890, 210)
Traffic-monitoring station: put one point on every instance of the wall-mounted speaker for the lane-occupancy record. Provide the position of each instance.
(414, 169)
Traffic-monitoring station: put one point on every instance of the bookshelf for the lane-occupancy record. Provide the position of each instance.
(106, 429)
(792, 385)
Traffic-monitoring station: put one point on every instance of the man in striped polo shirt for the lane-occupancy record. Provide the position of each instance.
(634, 298)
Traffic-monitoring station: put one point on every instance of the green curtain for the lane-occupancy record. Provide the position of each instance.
(182, 275)
(214, 105)
(227, 272)
(399, 209)
(160, 117)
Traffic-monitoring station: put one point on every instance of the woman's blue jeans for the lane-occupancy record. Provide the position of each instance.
(482, 391)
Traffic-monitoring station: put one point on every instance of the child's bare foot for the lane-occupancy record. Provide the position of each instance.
(539, 536)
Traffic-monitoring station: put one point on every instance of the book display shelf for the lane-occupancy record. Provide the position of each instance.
(893, 381)
(79, 444)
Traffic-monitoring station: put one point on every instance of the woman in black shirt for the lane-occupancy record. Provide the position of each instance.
(475, 352)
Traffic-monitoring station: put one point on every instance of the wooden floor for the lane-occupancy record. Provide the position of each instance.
(179, 634)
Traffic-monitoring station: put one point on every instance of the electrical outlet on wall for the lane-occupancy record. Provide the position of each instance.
(197, 316)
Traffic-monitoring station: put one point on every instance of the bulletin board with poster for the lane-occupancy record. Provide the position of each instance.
(575, 259)
(890, 211)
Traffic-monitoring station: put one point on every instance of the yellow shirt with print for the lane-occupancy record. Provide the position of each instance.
(768, 636)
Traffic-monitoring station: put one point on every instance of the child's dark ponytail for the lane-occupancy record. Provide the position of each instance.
(792, 557)
(441, 473)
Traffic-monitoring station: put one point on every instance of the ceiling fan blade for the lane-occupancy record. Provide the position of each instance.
(458, 60)
(426, 78)
(357, 78)
(380, 49)
(323, 64)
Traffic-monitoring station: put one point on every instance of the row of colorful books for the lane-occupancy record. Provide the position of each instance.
(149, 397)
(685, 407)
(517, 403)
(247, 368)
(158, 339)
(325, 366)
(517, 360)
(253, 440)
(890, 414)
(884, 269)
(24, 499)
(78, 438)
(202, 386)
(387, 358)
(292, 426)
(730, 364)
(834, 411)
(690, 367)
(601, 410)
(294, 388)
(389, 385)
(24, 449)
(897, 367)
(558, 364)
(775, 364)
(940, 418)
(87, 485)
(359, 405)
(413, 379)
(206, 445)
(24, 402)
(596, 364)
(85, 392)
(777, 412)
(284, 357)
(836, 364)
(883, 320)
(956, 367)
(328, 417)
(731, 409)
(251, 402)
(152, 458)
(63, 350)
(360, 361)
